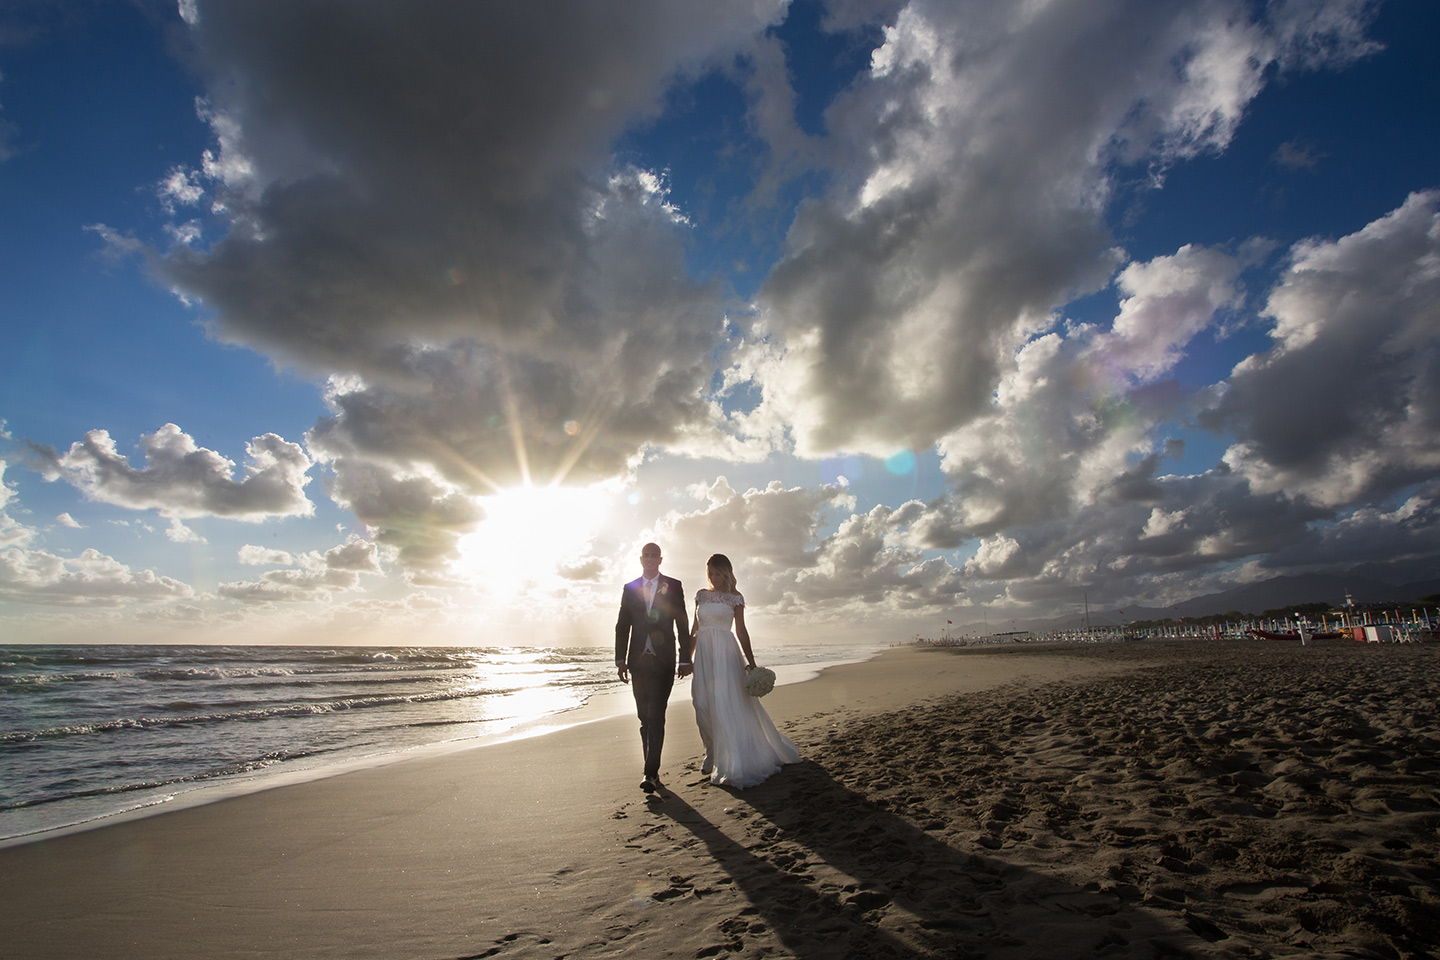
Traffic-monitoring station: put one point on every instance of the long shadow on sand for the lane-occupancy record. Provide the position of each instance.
(834, 874)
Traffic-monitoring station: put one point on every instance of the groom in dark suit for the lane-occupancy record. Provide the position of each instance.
(652, 623)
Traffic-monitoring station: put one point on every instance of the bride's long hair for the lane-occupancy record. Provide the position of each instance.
(721, 574)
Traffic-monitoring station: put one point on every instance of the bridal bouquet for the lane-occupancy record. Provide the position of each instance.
(760, 681)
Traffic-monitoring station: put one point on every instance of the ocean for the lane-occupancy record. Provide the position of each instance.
(88, 732)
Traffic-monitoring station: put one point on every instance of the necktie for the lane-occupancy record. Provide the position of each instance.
(649, 592)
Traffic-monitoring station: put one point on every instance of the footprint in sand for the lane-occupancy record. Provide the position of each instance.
(508, 943)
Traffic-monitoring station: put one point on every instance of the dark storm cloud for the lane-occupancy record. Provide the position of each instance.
(1345, 408)
(400, 174)
(420, 201)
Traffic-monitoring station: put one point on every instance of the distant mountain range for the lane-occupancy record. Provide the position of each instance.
(1252, 598)
(1286, 591)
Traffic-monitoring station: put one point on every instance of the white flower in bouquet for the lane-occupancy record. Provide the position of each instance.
(760, 681)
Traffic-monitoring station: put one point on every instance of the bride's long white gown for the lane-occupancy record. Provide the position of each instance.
(741, 742)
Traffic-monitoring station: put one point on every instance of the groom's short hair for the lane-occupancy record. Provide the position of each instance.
(650, 548)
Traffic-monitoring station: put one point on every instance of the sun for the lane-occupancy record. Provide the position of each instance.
(530, 533)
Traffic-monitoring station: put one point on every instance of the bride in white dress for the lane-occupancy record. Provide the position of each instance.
(742, 746)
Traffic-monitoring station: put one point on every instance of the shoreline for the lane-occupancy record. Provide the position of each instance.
(1198, 799)
(156, 801)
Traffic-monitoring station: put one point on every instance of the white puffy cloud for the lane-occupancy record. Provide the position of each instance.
(180, 187)
(1165, 303)
(868, 565)
(1162, 522)
(178, 532)
(765, 532)
(181, 479)
(254, 556)
(1061, 430)
(92, 579)
(990, 560)
(785, 561)
(65, 520)
(362, 556)
(12, 531)
(311, 576)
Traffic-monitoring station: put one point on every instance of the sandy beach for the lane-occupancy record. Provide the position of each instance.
(1150, 799)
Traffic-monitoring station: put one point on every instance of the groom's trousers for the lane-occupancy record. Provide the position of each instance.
(651, 680)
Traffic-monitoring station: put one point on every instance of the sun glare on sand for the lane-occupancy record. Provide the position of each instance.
(530, 533)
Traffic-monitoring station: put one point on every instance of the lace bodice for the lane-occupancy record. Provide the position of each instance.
(715, 596)
(714, 609)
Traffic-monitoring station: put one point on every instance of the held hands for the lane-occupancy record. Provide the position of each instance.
(623, 672)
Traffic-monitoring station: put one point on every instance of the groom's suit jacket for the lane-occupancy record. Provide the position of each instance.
(665, 624)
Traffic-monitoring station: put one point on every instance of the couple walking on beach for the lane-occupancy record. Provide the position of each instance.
(742, 746)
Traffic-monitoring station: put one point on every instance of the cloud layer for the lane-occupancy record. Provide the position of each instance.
(89, 580)
(451, 230)
(973, 175)
(427, 207)
(497, 298)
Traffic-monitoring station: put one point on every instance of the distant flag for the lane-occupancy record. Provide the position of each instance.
(949, 621)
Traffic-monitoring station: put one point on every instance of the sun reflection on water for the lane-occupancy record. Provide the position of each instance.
(523, 686)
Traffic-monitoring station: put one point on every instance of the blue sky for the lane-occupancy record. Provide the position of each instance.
(411, 325)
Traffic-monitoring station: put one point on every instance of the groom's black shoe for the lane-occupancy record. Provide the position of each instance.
(650, 784)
